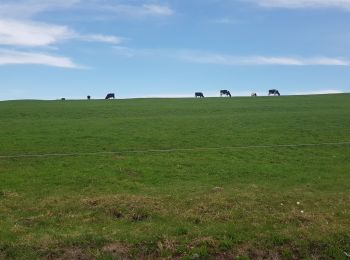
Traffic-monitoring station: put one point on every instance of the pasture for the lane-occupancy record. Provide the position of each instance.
(242, 200)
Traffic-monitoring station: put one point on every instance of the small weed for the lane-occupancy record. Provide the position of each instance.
(226, 244)
(286, 254)
(181, 231)
(200, 252)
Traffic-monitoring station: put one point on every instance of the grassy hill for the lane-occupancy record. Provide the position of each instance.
(273, 201)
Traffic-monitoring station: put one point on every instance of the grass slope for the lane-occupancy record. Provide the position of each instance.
(263, 202)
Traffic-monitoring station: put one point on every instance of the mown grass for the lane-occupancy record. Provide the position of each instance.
(286, 202)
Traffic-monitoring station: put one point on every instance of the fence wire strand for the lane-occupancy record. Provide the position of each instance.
(71, 154)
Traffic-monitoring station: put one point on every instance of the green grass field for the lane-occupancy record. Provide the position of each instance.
(255, 202)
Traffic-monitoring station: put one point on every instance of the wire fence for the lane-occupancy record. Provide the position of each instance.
(71, 154)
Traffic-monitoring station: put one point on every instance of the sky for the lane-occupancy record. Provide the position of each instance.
(51, 49)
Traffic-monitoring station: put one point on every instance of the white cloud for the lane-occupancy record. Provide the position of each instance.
(153, 9)
(32, 34)
(294, 4)
(27, 33)
(9, 57)
(17, 28)
(218, 59)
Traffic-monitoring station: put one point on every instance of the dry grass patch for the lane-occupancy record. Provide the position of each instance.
(131, 207)
(70, 254)
(8, 194)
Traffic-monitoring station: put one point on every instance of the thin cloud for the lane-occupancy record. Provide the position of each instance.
(226, 21)
(218, 59)
(124, 51)
(9, 57)
(99, 38)
(200, 57)
(137, 10)
(297, 4)
(28, 8)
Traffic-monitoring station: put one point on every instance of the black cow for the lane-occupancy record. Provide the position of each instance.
(63, 99)
(110, 95)
(199, 94)
(225, 92)
(274, 92)
(88, 97)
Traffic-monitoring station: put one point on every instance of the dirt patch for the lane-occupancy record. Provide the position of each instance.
(118, 157)
(249, 251)
(118, 250)
(72, 253)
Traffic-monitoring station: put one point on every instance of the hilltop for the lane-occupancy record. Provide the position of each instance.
(210, 178)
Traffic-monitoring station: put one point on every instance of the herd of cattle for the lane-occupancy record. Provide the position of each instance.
(272, 92)
(224, 92)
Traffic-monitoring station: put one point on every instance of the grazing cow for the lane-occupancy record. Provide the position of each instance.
(110, 95)
(274, 92)
(225, 92)
(254, 94)
(88, 97)
(199, 94)
(63, 99)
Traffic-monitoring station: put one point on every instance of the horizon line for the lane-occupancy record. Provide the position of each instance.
(157, 97)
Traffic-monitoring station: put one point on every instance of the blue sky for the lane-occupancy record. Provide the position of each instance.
(144, 48)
